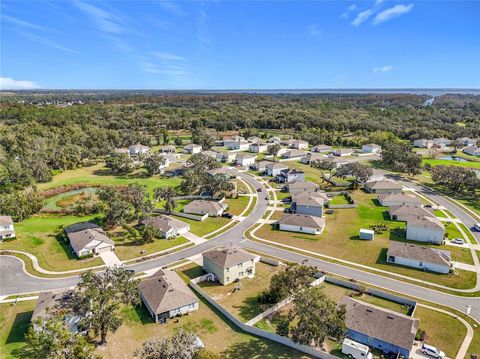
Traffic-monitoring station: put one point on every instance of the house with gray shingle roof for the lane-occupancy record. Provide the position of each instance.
(425, 229)
(88, 238)
(383, 186)
(53, 302)
(201, 207)
(405, 211)
(168, 227)
(166, 296)
(301, 223)
(301, 186)
(396, 199)
(229, 264)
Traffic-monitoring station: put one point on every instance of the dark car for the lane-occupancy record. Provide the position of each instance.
(227, 215)
(259, 190)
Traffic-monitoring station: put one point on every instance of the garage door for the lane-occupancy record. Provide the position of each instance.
(104, 249)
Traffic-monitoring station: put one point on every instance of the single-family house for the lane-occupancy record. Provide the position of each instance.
(228, 142)
(383, 329)
(168, 149)
(321, 148)
(201, 207)
(420, 257)
(192, 148)
(441, 142)
(6, 227)
(318, 193)
(403, 212)
(168, 227)
(53, 303)
(309, 204)
(274, 168)
(274, 139)
(425, 229)
(258, 147)
(123, 150)
(219, 171)
(397, 199)
(245, 159)
(313, 156)
(138, 149)
(287, 142)
(254, 139)
(260, 166)
(239, 145)
(299, 144)
(229, 264)
(87, 238)
(301, 223)
(165, 295)
(210, 153)
(293, 154)
(342, 152)
(301, 186)
(472, 151)
(377, 175)
(226, 157)
(371, 148)
(290, 175)
(467, 141)
(423, 143)
(382, 187)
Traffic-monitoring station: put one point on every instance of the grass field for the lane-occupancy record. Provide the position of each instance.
(129, 250)
(436, 162)
(100, 175)
(237, 205)
(14, 323)
(340, 240)
(243, 303)
(37, 235)
(203, 228)
(341, 199)
(314, 175)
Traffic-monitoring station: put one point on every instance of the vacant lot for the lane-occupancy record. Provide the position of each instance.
(340, 240)
(129, 250)
(203, 228)
(237, 205)
(14, 323)
(243, 302)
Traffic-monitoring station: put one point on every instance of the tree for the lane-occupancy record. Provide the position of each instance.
(456, 145)
(51, 339)
(203, 137)
(317, 317)
(166, 194)
(287, 282)
(182, 345)
(274, 149)
(283, 327)
(399, 156)
(178, 141)
(456, 179)
(153, 163)
(218, 183)
(21, 204)
(120, 163)
(98, 297)
(359, 171)
(116, 208)
(148, 234)
(166, 137)
(324, 165)
(137, 195)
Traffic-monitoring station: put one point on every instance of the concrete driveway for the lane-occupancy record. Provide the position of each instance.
(110, 259)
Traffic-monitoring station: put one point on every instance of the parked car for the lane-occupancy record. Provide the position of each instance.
(477, 226)
(259, 189)
(227, 215)
(267, 198)
(432, 351)
(458, 241)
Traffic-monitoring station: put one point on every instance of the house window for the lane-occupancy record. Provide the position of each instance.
(240, 265)
(420, 264)
(228, 270)
(240, 274)
(228, 279)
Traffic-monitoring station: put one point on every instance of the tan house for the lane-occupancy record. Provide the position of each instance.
(229, 264)
(87, 238)
(383, 186)
(201, 207)
(166, 295)
(301, 223)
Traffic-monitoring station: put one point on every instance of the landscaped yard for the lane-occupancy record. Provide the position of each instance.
(438, 162)
(100, 175)
(340, 240)
(37, 235)
(243, 303)
(14, 323)
(202, 228)
(129, 250)
(314, 175)
(340, 199)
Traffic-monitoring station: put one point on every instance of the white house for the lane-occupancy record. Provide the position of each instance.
(227, 142)
(239, 145)
(6, 227)
(301, 223)
(274, 139)
(467, 141)
(201, 207)
(254, 139)
(397, 199)
(245, 159)
(299, 144)
(168, 149)
(258, 147)
(87, 238)
(294, 154)
(229, 264)
(192, 148)
(371, 148)
(472, 151)
(166, 296)
(441, 142)
(425, 229)
(274, 168)
(226, 156)
(138, 149)
(423, 143)
(313, 156)
(404, 212)
(342, 152)
(421, 257)
(321, 148)
(168, 227)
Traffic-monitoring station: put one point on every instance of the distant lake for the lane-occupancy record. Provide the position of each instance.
(430, 92)
(453, 158)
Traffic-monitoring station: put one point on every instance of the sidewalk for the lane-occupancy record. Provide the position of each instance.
(194, 238)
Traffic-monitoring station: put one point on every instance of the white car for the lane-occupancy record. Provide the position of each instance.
(432, 351)
(477, 226)
(458, 241)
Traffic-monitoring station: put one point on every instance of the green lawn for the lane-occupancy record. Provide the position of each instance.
(452, 230)
(131, 250)
(66, 199)
(237, 205)
(202, 228)
(341, 199)
(14, 323)
(340, 240)
(37, 235)
(100, 175)
(439, 213)
(470, 237)
(314, 175)
(436, 162)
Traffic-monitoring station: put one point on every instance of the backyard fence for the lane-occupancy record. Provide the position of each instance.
(184, 215)
(351, 202)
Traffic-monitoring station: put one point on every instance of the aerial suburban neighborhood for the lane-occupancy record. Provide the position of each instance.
(240, 179)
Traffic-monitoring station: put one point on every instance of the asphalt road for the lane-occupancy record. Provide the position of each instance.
(14, 280)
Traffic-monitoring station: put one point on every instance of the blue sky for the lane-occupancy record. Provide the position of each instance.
(239, 44)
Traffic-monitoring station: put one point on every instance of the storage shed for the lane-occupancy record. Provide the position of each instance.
(367, 234)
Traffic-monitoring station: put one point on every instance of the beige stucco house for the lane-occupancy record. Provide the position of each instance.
(229, 264)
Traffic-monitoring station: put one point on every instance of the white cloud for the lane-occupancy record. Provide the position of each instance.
(172, 7)
(48, 42)
(104, 20)
(168, 56)
(7, 83)
(352, 7)
(314, 30)
(383, 69)
(362, 17)
(22, 23)
(392, 13)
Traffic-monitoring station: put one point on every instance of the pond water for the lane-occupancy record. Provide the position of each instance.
(453, 158)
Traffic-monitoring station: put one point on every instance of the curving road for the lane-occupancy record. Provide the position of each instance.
(13, 280)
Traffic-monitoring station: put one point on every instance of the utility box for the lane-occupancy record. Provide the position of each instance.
(367, 234)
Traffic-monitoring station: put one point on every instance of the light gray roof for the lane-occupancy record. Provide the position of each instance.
(316, 194)
(228, 257)
(374, 145)
(80, 239)
(380, 323)
(311, 201)
(138, 145)
(302, 220)
(383, 184)
(191, 146)
(302, 185)
(425, 222)
(164, 223)
(245, 155)
(399, 198)
(276, 166)
(165, 291)
(201, 204)
(410, 210)
(50, 301)
(419, 253)
(6, 220)
(294, 153)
